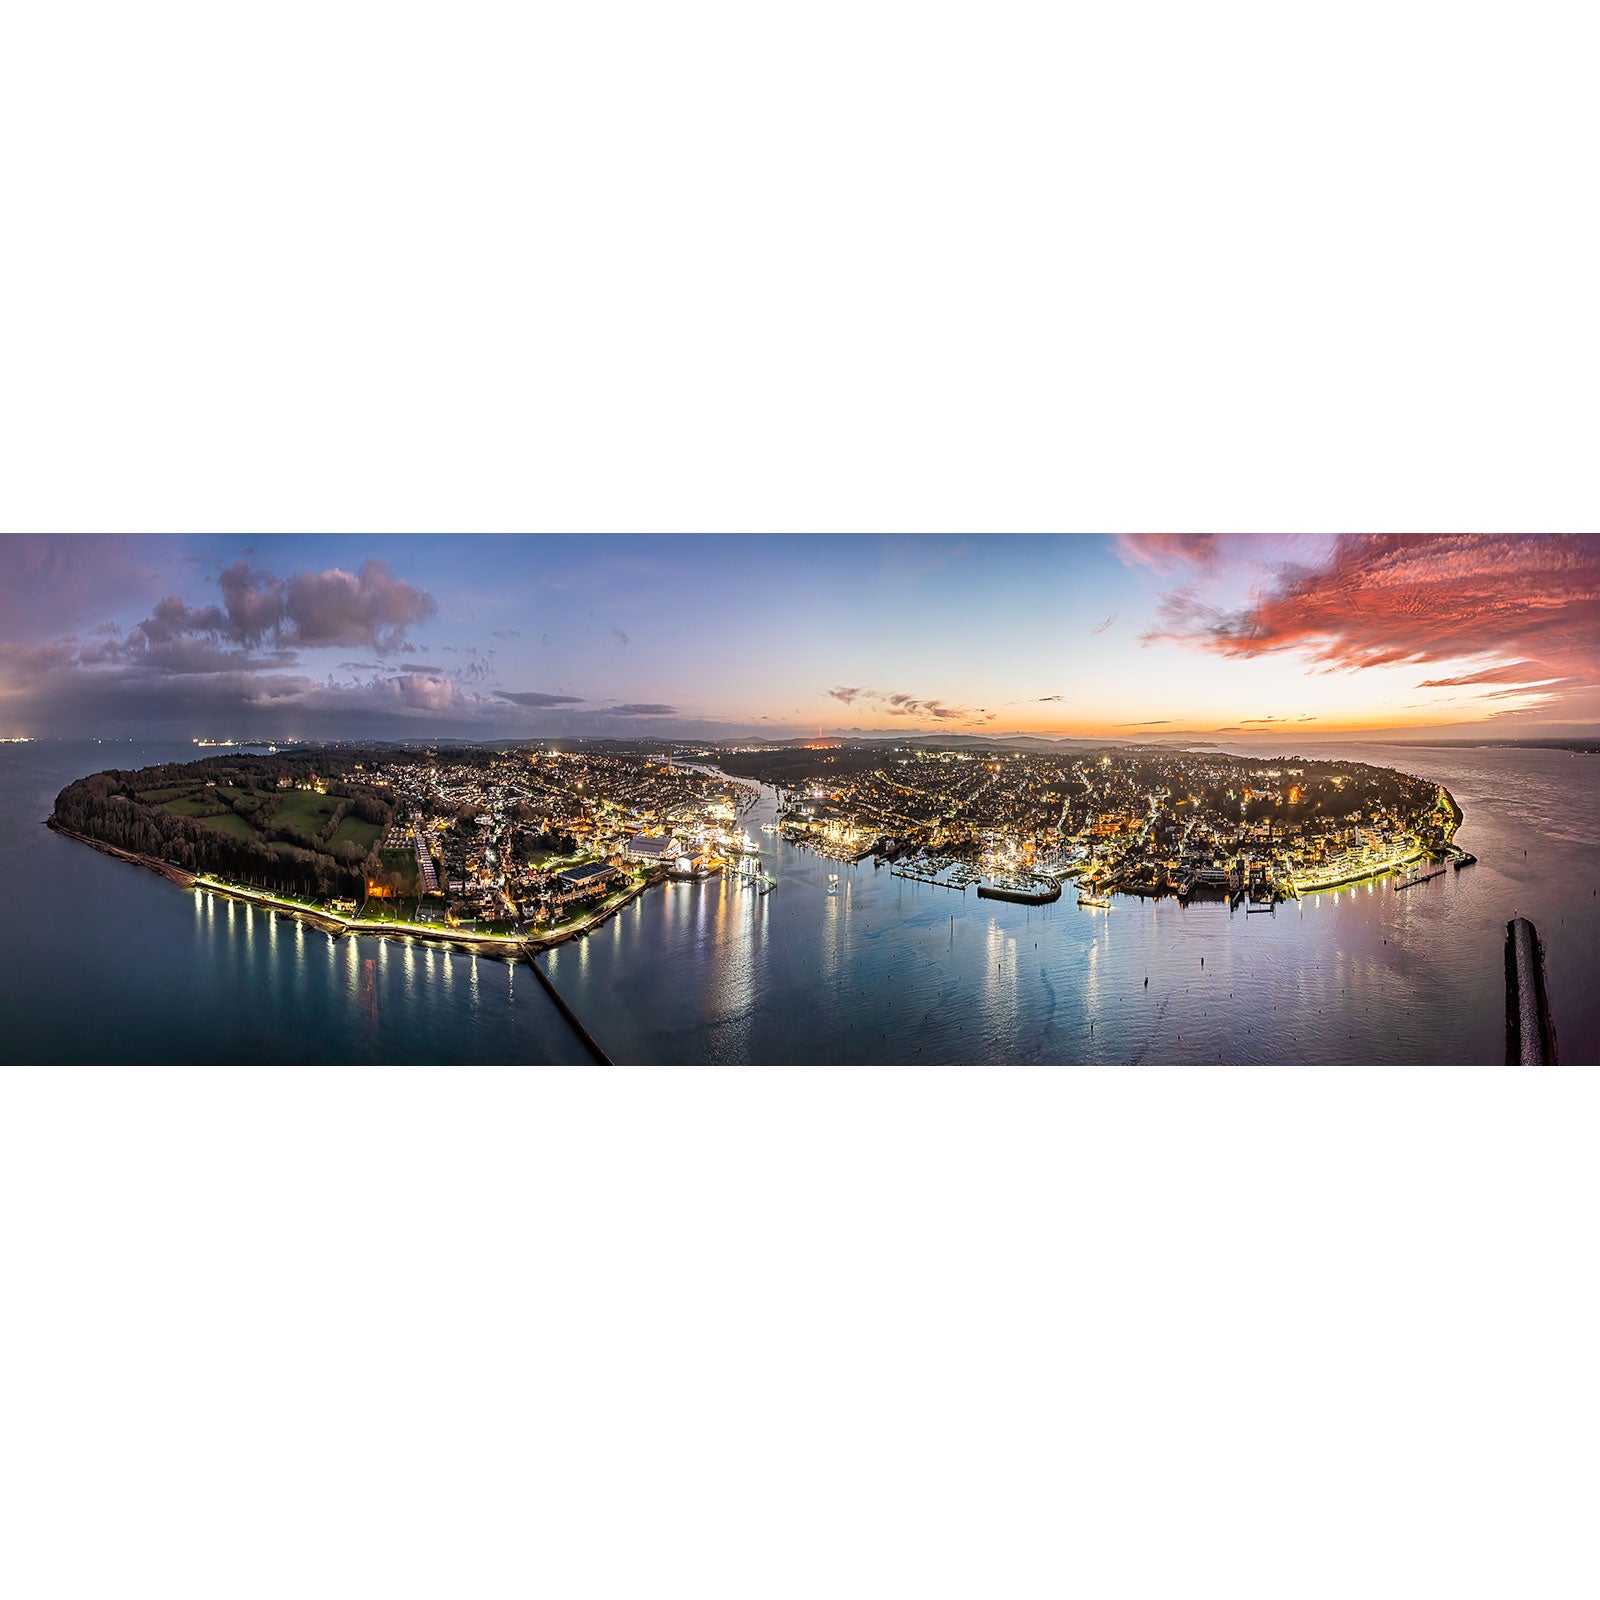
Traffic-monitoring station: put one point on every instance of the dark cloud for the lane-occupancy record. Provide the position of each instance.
(184, 664)
(899, 704)
(1158, 722)
(419, 691)
(534, 698)
(371, 607)
(641, 711)
(619, 636)
(254, 601)
(172, 618)
(52, 582)
(1102, 626)
(507, 633)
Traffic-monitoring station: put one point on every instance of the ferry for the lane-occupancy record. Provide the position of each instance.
(1101, 902)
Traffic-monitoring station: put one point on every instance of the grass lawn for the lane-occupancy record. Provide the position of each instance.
(402, 908)
(158, 797)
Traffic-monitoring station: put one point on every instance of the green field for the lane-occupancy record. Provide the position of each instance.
(309, 808)
(195, 805)
(354, 831)
(161, 796)
(229, 824)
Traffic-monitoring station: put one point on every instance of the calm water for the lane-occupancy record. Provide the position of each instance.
(113, 963)
(105, 961)
(894, 970)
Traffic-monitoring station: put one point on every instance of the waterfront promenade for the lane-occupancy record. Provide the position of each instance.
(499, 944)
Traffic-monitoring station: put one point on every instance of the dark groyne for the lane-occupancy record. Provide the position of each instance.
(1530, 1034)
(571, 1015)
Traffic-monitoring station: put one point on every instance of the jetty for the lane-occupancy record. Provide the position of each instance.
(1416, 876)
(1530, 1034)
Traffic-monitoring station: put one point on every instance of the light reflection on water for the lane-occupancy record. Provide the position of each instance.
(878, 971)
(874, 973)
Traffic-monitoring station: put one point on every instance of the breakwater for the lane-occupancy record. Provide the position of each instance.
(1530, 1033)
(572, 1016)
(1021, 897)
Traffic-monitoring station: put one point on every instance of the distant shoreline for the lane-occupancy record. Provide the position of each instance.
(497, 944)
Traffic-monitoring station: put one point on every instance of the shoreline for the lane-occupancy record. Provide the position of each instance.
(1457, 815)
(512, 946)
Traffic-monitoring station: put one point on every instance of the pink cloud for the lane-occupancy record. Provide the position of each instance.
(1167, 552)
(1391, 598)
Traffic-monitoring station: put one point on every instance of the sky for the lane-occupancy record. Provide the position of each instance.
(1228, 637)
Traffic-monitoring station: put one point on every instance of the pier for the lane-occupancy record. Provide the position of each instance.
(1530, 1034)
(1413, 878)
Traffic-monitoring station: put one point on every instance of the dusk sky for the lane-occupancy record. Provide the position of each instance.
(1127, 636)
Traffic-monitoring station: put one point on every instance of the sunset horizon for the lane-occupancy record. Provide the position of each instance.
(1129, 637)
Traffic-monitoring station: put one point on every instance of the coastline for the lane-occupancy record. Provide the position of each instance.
(1457, 815)
(504, 945)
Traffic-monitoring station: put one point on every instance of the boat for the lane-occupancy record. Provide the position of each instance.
(1101, 902)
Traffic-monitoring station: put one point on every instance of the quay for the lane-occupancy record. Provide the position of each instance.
(1530, 1034)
